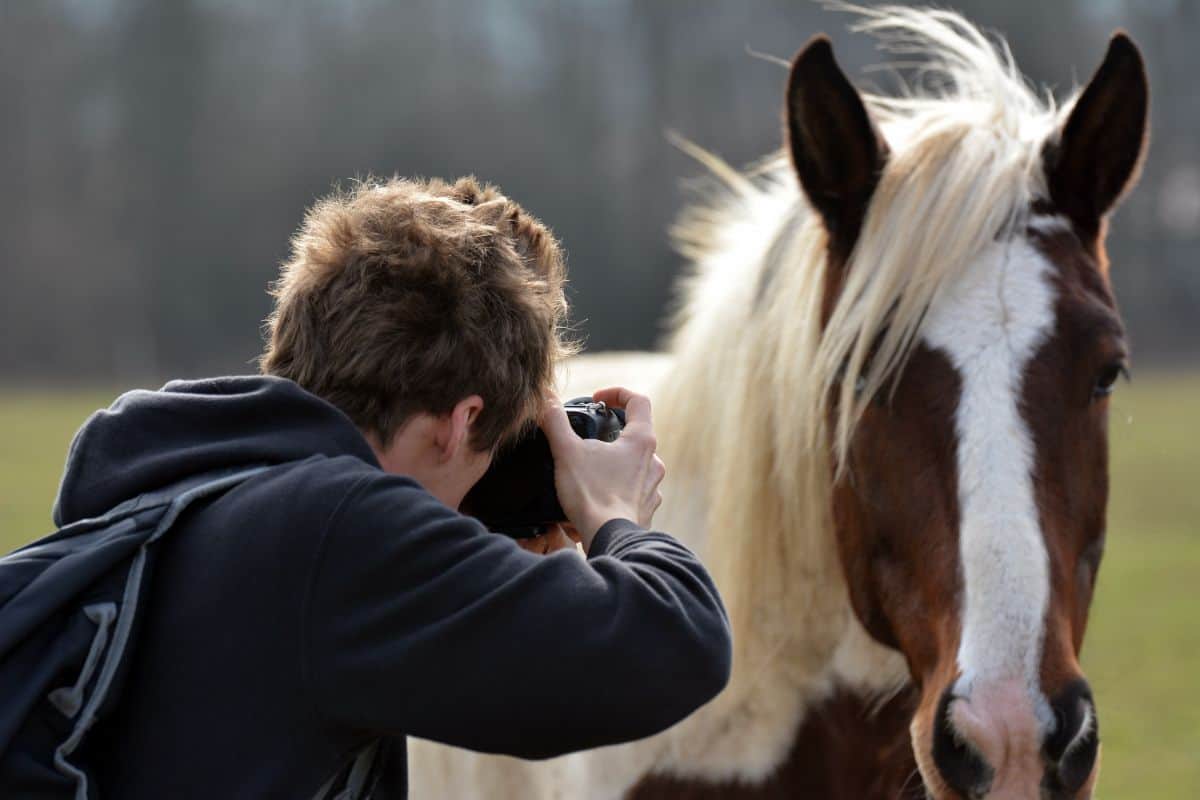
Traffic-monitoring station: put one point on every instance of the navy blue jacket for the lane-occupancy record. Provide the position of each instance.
(326, 603)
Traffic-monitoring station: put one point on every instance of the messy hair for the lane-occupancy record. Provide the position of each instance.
(406, 296)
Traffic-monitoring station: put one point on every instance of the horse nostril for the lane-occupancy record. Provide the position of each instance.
(963, 769)
(1073, 746)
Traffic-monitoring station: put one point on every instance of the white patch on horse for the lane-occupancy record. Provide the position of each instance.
(990, 324)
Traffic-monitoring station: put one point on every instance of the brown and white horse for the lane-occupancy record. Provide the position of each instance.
(884, 413)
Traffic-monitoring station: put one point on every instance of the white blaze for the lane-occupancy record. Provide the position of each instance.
(990, 324)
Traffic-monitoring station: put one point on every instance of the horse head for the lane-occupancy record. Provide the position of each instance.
(968, 420)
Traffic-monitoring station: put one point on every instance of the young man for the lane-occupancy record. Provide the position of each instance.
(338, 598)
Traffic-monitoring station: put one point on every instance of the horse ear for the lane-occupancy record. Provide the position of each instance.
(1099, 151)
(836, 149)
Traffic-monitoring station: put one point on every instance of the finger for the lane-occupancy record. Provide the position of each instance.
(658, 471)
(556, 426)
(637, 406)
(557, 539)
(571, 532)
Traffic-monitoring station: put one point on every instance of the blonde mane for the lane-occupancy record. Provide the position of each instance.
(751, 360)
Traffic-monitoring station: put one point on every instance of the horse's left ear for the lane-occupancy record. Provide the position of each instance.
(1099, 151)
(836, 148)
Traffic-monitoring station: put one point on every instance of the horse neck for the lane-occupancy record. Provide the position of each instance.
(768, 538)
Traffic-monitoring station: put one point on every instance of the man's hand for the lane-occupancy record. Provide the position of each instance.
(601, 481)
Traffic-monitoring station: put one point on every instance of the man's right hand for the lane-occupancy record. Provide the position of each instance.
(601, 481)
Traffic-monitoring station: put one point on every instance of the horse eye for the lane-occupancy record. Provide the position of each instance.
(1108, 376)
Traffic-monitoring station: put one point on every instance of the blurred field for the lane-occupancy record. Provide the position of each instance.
(1142, 653)
(1143, 647)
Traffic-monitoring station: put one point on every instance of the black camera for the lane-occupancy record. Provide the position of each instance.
(516, 495)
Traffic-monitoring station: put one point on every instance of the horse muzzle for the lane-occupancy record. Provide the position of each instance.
(991, 743)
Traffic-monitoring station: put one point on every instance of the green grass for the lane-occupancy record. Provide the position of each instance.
(35, 430)
(1143, 647)
(1142, 653)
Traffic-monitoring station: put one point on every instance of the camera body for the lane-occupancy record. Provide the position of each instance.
(516, 496)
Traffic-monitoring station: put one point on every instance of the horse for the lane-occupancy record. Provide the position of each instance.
(883, 406)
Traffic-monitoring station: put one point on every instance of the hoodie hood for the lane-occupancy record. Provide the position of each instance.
(147, 440)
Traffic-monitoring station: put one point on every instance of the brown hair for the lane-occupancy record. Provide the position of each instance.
(406, 296)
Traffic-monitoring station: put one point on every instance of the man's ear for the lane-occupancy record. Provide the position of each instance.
(454, 428)
(1099, 150)
(836, 149)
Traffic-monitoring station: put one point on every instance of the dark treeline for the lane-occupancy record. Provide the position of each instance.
(156, 156)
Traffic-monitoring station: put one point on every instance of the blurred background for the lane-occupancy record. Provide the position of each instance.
(156, 156)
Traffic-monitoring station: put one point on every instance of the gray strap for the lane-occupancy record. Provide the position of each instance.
(69, 700)
(86, 717)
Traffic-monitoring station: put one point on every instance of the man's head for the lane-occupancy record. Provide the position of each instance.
(430, 313)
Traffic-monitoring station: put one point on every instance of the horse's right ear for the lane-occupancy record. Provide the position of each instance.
(836, 149)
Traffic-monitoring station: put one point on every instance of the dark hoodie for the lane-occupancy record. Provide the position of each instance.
(325, 603)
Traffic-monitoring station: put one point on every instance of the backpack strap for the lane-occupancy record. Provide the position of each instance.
(177, 498)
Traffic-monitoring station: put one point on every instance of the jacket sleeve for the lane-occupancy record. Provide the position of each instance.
(421, 622)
